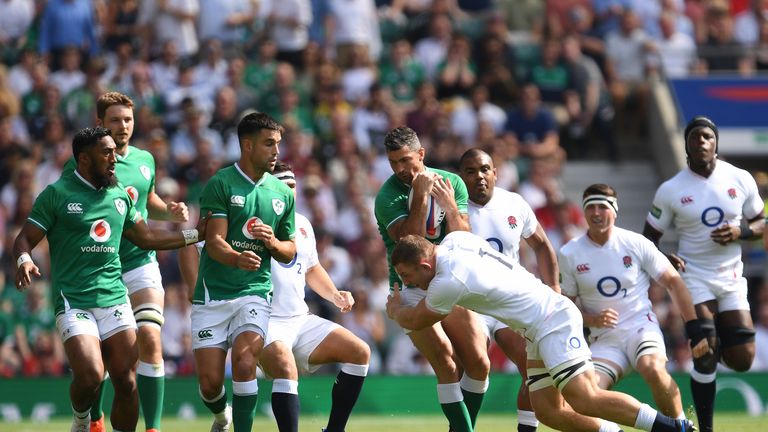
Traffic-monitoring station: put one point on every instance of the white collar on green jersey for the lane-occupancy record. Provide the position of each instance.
(84, 180)
(245, 176)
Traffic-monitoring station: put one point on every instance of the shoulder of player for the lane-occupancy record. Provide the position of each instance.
(141, 154)
(272, 183)
(572, 246)
(392, 188)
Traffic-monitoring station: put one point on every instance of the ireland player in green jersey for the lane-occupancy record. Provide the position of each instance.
(135, 169)
(252, 221)
(84, 215)
(461, 332)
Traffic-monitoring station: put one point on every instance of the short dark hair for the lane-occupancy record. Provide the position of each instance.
(281, 166)
(472, 153)
(254, 122)
(86, 138)
(411, 249)
(599, 189)
(401, 137)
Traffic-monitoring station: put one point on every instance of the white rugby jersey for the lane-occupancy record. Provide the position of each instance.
(616, 275)
(473, 274)
(289, 280)
(503, 221)
(696, 206)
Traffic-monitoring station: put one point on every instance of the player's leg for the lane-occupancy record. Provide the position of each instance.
(209, 344)
(147, 300)
(609, 356)
(665, 392)
(117, 329)
(147, 306)
(737, 339)
(249, 328)
(434, 345)
(278, 363)
(704, 372)
(340, 345)
(513, 346)
(464, 329)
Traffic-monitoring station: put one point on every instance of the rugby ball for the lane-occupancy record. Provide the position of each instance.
(435, 214)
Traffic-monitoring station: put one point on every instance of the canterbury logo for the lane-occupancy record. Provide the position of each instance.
(686, 200)
(75, 208)
(582, 268)
(205, 334)
(237, 200)
(81, 316)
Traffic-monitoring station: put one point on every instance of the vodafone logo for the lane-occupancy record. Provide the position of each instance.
(250, 223)
(100, 231)
(133, 193)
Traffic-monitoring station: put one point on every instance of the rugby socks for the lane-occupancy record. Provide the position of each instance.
(452, 404)
(285, 404)
(607, 426)
(703, 387)
(526, 421)
(346, 390)
(218, 406)
(245, 394)
(98, 403)
(150, 380)
(473, 391)
(648, 419)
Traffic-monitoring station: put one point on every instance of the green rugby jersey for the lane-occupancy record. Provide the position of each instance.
(232, 195)
(84, 226)
(392, 205)
(136, 172)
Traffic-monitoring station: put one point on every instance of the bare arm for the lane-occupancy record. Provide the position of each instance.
(159, 210)
(147, 238)
(318, 279)
(27, 239)
(189, 264)
(281, 250)
(445, 197)
(654, 236)
(606, 318)
(412, 318)
(674, 284)
(218, 248)
(545, 257)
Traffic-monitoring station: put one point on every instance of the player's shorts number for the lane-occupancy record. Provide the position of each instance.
(610, 289)
(706, 216)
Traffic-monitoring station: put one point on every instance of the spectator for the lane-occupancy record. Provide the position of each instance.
(747, 23)
(20, 74)
(11, 151)
(173, 20)
(224, 120)
(121, 24)
(69, 76)
(467, 116)
(431, 50)
(227, 21)
(720, 51)
(15, 19)
(193, 131)
(401, 74)
(553, 78)
(370, 122)
(457, 73)
(288, 22)
(532, 128)
(67, 23)
(352, 25)
(675, 49)
(211, 71)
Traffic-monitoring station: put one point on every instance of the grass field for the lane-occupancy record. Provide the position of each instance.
(486, 423)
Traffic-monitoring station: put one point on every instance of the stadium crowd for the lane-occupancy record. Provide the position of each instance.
(533, 82)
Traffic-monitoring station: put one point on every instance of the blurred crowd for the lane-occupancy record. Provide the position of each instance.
(533, 82)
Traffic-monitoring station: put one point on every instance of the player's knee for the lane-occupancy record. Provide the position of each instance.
(652, 368)
(90, 379)
(210, 386)
(706, 364)
(149, 314)
(739, 360)
(244, 366)
(124, 383)
(360, 353)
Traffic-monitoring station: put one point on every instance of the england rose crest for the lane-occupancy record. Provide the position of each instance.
(627, 261)
(512, 222)
(732, 193)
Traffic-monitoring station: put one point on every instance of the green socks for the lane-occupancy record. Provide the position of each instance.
(473, 391)
(150, 380)
(96, 408)
(244, 404)
(452, 404)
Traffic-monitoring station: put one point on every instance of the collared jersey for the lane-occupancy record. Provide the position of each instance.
(231, 194)
(136, 172)
(696, 206)
(289, 279)
(615, 275)
(469, 272)
(503, 221)
(84, 226)
(392, 205)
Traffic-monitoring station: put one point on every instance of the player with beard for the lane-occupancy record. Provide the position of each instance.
(712, 205)
(84, 215)
(135, 169)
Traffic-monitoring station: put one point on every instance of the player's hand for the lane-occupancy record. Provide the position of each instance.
(178, 211)
(202, 225)
(443, 193)
(677, 262)
(248, 260)
(725, 234)
(393, 301)
(263, 232)
(344, 301)
(24, 275)
(423, 183)
(607, 318)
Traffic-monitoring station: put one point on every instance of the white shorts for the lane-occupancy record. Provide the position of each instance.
(99, 322)
(303, 334)
(624, 346)
(728, 288)
(561, 348)
(217, 323)
(491, 325)
(146, 276)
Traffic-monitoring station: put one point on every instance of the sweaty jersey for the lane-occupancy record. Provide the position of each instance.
(289, 279)
(503, 221)
(471, 273)
(392, 205)
(232, 195)
(136, 172)
(84, 226)
(696, 206)
(616, 275)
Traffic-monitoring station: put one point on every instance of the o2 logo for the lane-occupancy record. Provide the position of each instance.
(292, 263)
(610, 286)
(712, 216)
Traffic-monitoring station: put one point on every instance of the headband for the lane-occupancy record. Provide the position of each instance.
(610, 201)
(285, 176)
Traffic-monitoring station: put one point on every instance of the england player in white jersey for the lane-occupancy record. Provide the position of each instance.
(465, 270)
(609, 270)
(503, 218)
(712, 204)
(300, 341)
